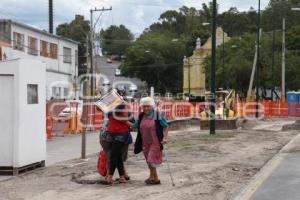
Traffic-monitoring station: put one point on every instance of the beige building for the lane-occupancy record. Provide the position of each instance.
(193, 68)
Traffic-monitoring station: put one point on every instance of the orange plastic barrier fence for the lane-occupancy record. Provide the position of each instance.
(166, 109)
(173, 110)
(48, 126)
(74, 124)
(98, 118)
(293, 109)
(182, 109)
(266, 108)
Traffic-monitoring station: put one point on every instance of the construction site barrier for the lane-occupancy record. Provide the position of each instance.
(48, 125)
(171, 110)
(98, 119)
(74, 124)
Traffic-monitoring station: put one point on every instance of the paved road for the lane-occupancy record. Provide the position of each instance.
(284, 183)
(60, 149)
(69, 147)
(109, 69)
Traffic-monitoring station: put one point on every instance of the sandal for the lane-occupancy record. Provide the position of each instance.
(122, 180)
(153, 182)
(147, 181)
(127, 178)
(106, 182)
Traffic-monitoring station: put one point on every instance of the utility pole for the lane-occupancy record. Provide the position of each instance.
(91, 53)
(50, 16)
(258, 61)
(273, 57)
(283, 62)
(213, 71)
(223, 61)
(189, 68)
(92, 44)
(88, 104)
(84, 119)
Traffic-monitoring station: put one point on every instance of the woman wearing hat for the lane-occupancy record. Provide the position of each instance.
(152, 134)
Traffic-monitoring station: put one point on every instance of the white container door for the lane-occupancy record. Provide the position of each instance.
(6, 120)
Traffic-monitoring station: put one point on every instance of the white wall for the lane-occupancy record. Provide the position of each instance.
(29, 137)
(6, 119)
(57, 80)
(56, 65)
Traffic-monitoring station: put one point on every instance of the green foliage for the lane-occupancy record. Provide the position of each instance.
(238, 62)
(237, 23)
(157, 60)
(77, 30)
(115, 39)
(239, 57)
(157, 55)
(293, 39)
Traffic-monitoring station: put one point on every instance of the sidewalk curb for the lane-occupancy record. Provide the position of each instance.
(247, 192)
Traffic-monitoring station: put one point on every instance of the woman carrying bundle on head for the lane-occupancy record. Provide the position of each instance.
(117, 136)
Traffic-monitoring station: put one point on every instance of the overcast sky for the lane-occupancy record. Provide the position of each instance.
(135, 14)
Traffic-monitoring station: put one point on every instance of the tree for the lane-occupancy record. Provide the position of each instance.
(237, 23)
(115, 39)
(277, 10)
(157, 55)
(239, 62)
(156, 59)
(77, 30)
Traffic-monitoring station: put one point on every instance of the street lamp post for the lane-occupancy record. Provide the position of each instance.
(273, 56)
(258, 61)
(283, 62)
(213, 70)
(223, 61)
(189, 68)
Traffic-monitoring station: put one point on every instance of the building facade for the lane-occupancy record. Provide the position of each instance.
(193, 68)
(60, 54)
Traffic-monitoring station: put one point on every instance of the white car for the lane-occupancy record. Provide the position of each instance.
(65, 113)
(118, 72)
(106, 82)
(133, 88)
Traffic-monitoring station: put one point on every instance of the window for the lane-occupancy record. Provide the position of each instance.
(32, 46)
(18, 41)
(5, 33)
(66, 92)
(67, 54)
(44, 51)
(56, 92)
(32, 94)
(76, 57)
(53, 51)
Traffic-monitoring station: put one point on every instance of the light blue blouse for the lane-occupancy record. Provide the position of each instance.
(162, 120)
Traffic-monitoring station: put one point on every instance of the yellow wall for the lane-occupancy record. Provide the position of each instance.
(195, 63)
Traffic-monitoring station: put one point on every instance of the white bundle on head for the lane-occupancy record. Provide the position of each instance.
(147, 101)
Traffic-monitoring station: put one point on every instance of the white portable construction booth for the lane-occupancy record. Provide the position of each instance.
(22, 115)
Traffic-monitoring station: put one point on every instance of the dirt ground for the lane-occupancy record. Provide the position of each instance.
(204, 167)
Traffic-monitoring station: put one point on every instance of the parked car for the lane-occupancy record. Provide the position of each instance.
(106, 82)
(133, 88)
(65, 113)
(108, 60)
(118, 72)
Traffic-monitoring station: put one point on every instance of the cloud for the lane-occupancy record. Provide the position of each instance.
(135, 14)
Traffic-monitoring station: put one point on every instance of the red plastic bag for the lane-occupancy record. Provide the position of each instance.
(101, 166)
